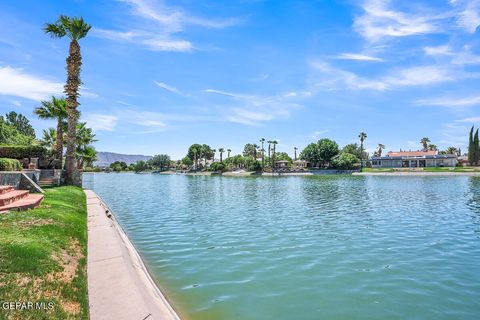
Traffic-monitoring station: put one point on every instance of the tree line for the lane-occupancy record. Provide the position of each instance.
(473, 147)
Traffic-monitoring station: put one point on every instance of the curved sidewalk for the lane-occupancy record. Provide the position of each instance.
(119, 285)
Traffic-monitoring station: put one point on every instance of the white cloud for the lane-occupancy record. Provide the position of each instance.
(255, 110)
(159, 24)
(16, 103)
(333, 78)
(421, 76)
(151, 121)
(317, 134)
(101, 122)
(167, 87)
(18, 83)
(438, 51)
(157, 44)
(379, 21)
(454, 134)
(468, 14)
(469, 120)
(450, 101)
(359, 57)
(117, 35)
(173, 19)
(461, 57)
(150, 40)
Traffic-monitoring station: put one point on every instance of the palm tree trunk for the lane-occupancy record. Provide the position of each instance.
(361, 156)
(74, 63)
(263, 156)
(59, 142)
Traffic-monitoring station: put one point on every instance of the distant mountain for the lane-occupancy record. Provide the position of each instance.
(105, 158)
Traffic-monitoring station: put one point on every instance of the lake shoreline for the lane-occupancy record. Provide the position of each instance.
(115, 269)
(328, 172)
(417, 174)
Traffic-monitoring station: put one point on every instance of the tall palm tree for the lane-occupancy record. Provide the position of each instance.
(269, 146)
(228, 152)
(381, 147)
(55, 109)
(213, 156)
(75, 29)
(262, 141)
(362, 136)
(295, 153)
(221, 150)
(425, 142)
(254, 147)
(274, 142)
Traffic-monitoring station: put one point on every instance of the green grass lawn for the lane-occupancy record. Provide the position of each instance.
(43, 257)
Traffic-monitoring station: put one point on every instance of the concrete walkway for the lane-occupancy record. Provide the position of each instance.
(119, 285)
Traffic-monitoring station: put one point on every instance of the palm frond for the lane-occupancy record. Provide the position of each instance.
(55, 30)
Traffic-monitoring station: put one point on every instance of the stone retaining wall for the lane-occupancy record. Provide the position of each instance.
(24, 180)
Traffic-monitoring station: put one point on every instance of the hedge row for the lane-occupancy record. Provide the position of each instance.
(22, 152)
(10, 165)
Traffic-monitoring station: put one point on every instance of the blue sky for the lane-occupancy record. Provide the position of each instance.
(161, 75)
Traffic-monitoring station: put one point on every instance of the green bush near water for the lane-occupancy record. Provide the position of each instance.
(217, 166)
(10, 165)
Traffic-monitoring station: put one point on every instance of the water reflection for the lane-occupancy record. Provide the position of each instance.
(334, 247)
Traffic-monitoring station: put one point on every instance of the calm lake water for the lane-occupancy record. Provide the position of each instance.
(323, 247)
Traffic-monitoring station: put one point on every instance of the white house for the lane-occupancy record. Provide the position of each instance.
(414, 159)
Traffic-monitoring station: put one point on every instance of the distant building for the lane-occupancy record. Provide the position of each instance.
(301, 164)
(414, 159)
(281, 164)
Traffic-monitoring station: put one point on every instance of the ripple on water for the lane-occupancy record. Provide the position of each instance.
(306, 247)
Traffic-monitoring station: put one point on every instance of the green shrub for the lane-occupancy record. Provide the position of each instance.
(22, 152)
(10, 165)
(217, 166)
(253, 164)
(345, 161)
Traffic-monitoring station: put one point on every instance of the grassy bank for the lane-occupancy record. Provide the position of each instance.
(43, 257)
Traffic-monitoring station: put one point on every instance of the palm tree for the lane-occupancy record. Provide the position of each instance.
(380, 149)
(269, 148)
(274, 142)
(213, 157)
(55, 109)
(221, 150)
(362, 137)
(262, 141)
(295, 153)
(425, 142)
(49, 139)
(86, 157)
(228, 152)
(432, 147)
(85, 137)
(254, 147)
(75, 29)
(452, 150)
